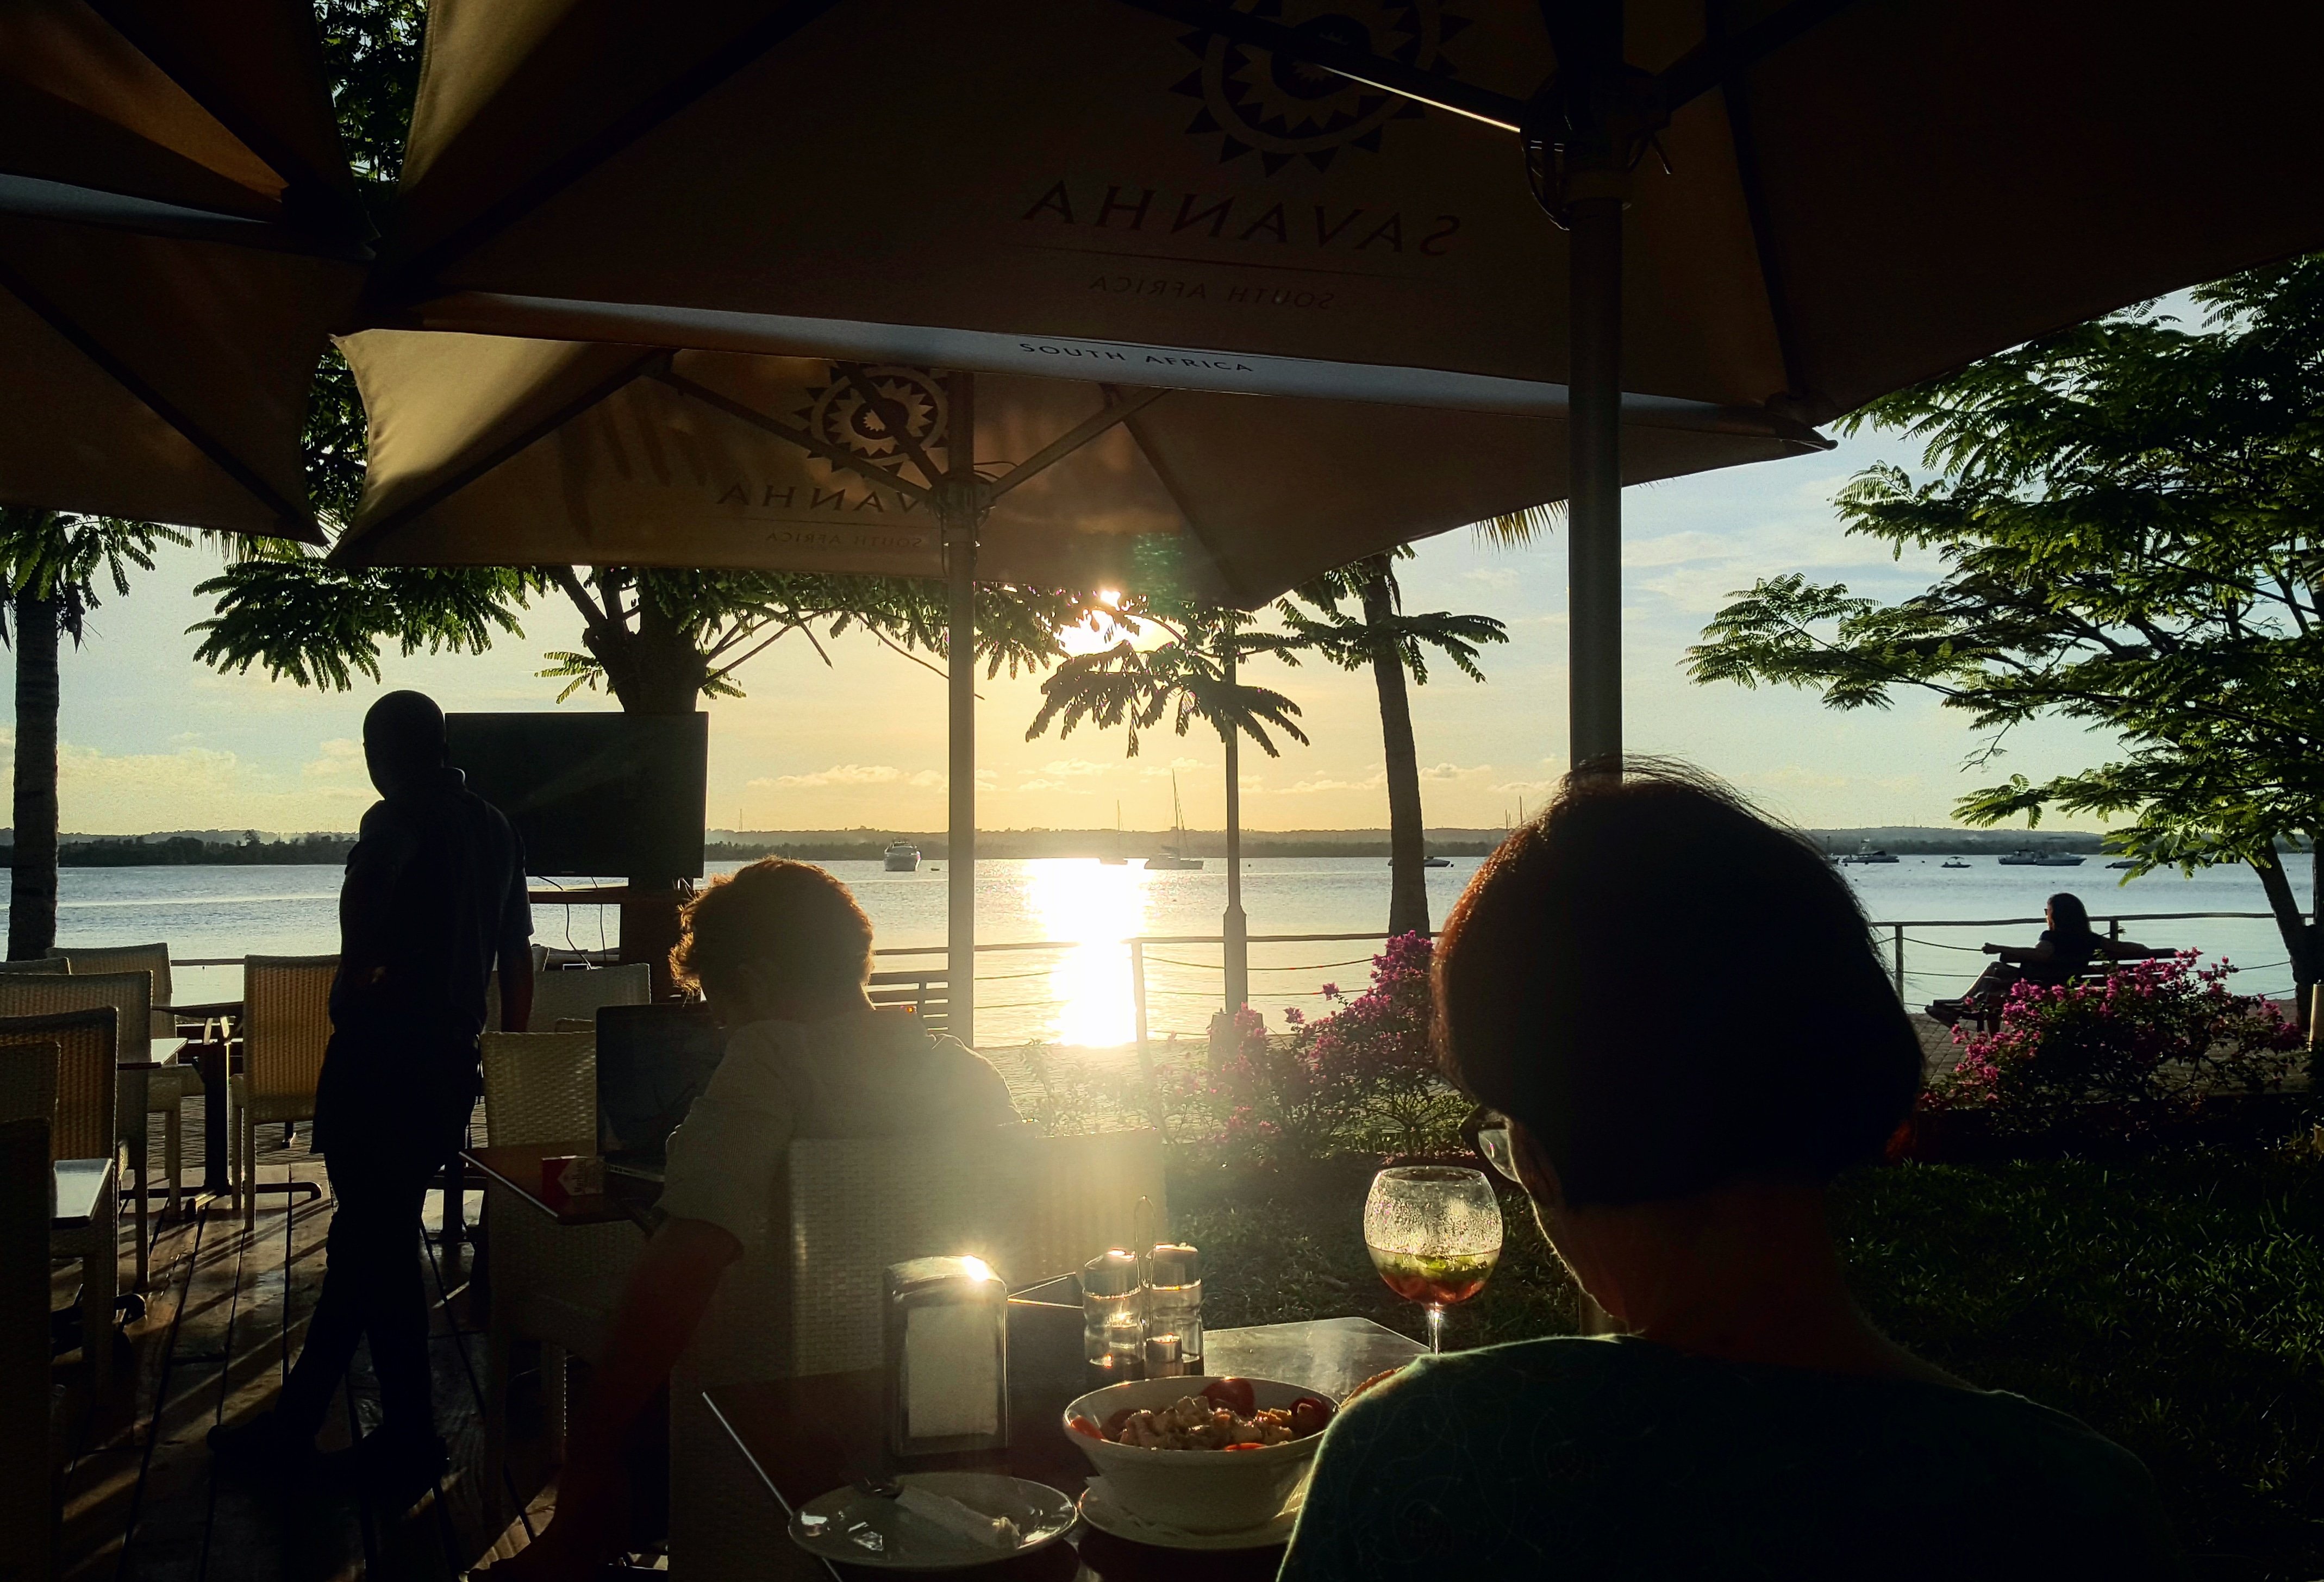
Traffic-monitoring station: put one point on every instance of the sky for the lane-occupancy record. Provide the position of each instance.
(154, 741)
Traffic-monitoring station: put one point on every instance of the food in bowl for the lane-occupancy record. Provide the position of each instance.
(1223, 1417)
(1202, 1488)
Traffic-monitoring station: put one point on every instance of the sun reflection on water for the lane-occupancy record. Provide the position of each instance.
(1096, 906)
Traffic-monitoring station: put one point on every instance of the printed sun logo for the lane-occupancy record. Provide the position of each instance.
(1283, 110)
(838, 414)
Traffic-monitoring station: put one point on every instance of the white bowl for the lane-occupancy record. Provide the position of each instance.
(1195, 1491)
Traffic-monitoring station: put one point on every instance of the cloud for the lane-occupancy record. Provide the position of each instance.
(1452, 771)
(1493, 576)
(342, 756)
(928, 778)
(1371, 782)
(1073, 767)
(1181, 765)
(1040, 784)
(836, 775)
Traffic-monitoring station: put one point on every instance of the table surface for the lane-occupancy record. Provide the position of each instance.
(517, 1166)
(79, 1182)
(809, 1436)
(205, 1011)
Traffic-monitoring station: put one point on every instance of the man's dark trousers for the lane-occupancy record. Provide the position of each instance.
(388, 1112)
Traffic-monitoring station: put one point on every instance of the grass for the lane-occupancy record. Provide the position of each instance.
(2175, 1303)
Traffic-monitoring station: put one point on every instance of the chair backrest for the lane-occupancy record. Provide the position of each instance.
(50, 965)
(153, 959)
(557, 996)
(923, 988)
(286, 1022)
(27, 1475)
(87, 1084)
(540, 1087)
(28, 1082)
(131, 994)
(1033, 1207)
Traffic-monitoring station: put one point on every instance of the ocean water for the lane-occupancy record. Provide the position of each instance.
(1079, 988)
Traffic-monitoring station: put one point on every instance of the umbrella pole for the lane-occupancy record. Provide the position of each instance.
(1234, 927)
(1594, 530)
(957, 507)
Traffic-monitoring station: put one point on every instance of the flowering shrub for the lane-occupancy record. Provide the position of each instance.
(2145, 1046)
(1363, 1077)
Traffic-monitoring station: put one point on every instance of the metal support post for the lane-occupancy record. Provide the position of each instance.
(1594, 485)
(1900, 960)
(1234, 927)
(959, 515)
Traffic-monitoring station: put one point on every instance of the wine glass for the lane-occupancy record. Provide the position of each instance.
(1435, 1234)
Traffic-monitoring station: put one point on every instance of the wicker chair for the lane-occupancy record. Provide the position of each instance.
(551, 1283)
(566, 995)
(286, 1025)
(808, 1302)
(28, 1466)
(54, 966)
(87, 1085)
(131, 996)
(166, 1087)
(28, 1082)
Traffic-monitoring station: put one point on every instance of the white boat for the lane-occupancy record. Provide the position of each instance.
(901, 857)
(2026, 857)
(1174, 859)
(1428, 862)
(1868, 852)
(1953, 863)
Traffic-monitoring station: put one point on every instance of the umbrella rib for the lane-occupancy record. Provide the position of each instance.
(1114, 413)
(1712, 62)
(444, 488)
(798, 436)
(891, 412)
(294, 521)
(1754, 210)
(1442, 93)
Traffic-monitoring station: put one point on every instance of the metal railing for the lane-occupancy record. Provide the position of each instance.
(1147, 996)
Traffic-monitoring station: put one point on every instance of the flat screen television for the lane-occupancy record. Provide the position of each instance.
(607, 796)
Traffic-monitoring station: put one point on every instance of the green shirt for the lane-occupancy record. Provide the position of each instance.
(1601, 1459)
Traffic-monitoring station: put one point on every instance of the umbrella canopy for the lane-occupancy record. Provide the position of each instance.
(178, 234)
(495, 450)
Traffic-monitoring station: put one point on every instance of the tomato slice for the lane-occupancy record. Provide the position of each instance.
(1226, 1448)
(1235, 1395)
(1310, 1415)
(1085, 1426)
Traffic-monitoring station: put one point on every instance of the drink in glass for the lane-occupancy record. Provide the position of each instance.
(1435, 1234)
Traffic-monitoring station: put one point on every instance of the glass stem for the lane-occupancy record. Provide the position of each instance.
(1435, 1328)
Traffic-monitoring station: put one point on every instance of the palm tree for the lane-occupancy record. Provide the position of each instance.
(1192, 676)
(1379, 634)
(54, 564)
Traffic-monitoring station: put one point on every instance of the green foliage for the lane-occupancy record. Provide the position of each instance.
(1313, 623)
(320, 625)
(2130, 515)
(73, 560)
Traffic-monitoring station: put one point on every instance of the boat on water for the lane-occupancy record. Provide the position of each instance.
(1174, 859)
(1428, 862)
(1953, 863)
(1868, 852)
(901, 857)
(2125, 862)
(2026, 857)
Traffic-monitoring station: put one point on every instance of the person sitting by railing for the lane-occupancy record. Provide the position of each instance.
(783, 953)
(2067, 948)
(1751, 1421)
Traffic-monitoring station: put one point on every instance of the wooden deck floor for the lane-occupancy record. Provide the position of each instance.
(226, 1313)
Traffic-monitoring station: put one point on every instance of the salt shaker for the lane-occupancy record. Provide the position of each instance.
(1174, 1303)
(1113, 1319)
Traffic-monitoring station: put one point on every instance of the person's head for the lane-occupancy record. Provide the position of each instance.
(778, 940)
(2069, 919)
(1667, 993)
(404, 738)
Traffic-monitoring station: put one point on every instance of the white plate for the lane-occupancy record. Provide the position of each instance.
(844, 1525)
(1101, 1511)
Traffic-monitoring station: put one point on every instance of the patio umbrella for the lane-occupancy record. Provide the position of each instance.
(178, 234)
(1343, 200)
(499, 450)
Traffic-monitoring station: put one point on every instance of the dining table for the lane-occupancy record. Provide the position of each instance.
(78, 1188)
(806, 1437)
(209, 1056)
(628, 1194)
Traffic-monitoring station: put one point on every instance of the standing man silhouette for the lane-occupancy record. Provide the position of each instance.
(434, 899)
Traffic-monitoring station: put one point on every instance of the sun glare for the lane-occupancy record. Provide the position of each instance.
(1097, 907)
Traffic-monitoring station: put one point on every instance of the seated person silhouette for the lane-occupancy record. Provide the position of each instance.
(782, 952)
(1750, 1421)
(2067, 948)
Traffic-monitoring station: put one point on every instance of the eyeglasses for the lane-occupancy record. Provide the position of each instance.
(1492, 1135)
